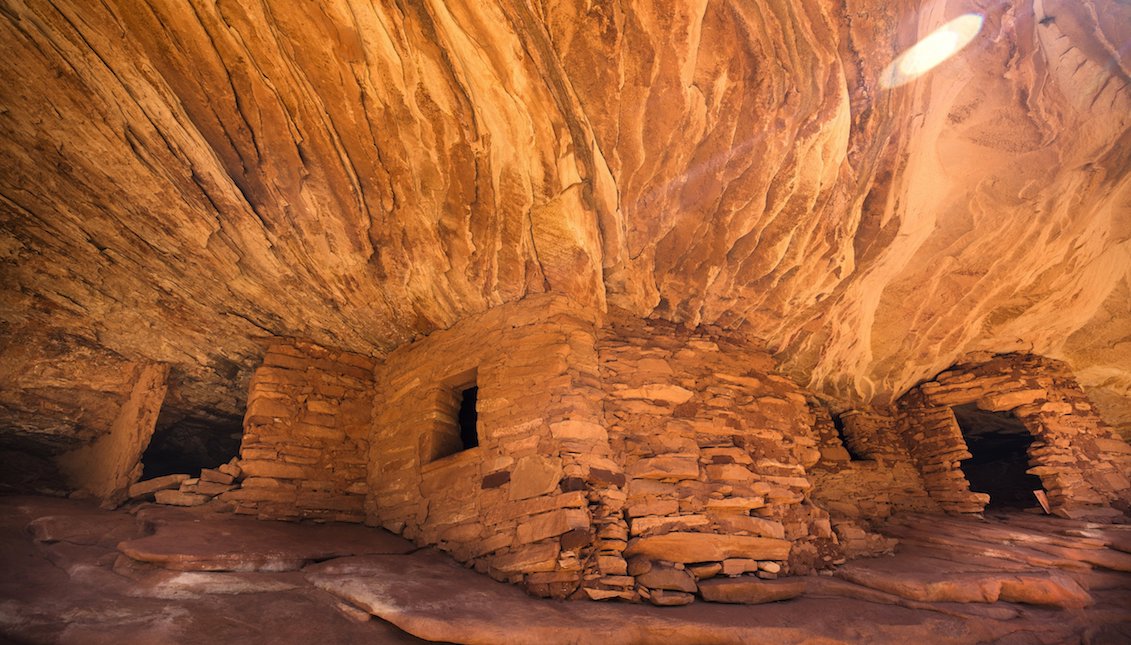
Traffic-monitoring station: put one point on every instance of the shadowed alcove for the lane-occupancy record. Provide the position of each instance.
(186, 445)
(999, 443)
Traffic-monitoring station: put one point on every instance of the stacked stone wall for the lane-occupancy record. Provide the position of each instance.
(1081, 461)
(633, 459)
(715, 449)
(863, 488)
(305, 442)
(526, 504)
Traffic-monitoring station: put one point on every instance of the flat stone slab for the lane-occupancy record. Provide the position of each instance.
(89, 527)
(431, 597)
(914, 583)
(679, 546)
(148, 487)
(748, 590)
(226, 543)
(71, 587)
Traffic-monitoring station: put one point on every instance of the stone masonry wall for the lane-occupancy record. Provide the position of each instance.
(524, 505)
(715, 450)
(1081, 461)
(305, 440)
(858, 492)
(629, 460)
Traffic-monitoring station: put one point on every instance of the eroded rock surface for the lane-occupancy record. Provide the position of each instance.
(185, 542)
(180, 179)
(66, 582)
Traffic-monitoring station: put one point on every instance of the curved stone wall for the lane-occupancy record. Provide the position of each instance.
(1081, 460)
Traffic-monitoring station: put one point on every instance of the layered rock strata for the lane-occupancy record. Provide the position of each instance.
(179, 179)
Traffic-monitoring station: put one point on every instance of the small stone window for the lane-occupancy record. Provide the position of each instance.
(456, 425)
(468, 417)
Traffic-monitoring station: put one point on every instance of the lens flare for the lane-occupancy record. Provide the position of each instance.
(931, 51)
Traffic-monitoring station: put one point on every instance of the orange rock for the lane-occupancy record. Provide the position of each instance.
(705, 547)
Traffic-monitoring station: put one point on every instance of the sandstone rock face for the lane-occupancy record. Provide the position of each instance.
(179, 179)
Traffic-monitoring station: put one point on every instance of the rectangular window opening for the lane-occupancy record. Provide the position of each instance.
(457, 422)
(469, 417)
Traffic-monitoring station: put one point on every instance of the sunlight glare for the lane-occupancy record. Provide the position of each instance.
(931, 51)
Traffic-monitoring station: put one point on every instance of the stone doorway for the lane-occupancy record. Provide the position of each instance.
(185, 445)
(999, 446)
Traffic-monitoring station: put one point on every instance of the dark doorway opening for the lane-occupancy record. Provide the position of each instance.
(468, 418)
(187, 444)
(838, 423)
(999, 443)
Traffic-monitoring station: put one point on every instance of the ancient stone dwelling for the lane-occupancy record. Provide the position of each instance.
(608, 456)
(619, 457)
(648, 303)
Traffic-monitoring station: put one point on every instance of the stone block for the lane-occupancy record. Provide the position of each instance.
(575, 539)
(495, 479)
(534, 476)
(258, 468)
(729, 473)
(739, 566)
(1061, 408)
(266, 410)
(750, 591)
(575, 430)
(212, 488)
(491, 544)
(667, 578)
(666, 392)
(1008, 400)
(232, 468)
(462, 532)
(604, 594)
(665, 468)
(705, 571)
(319, 406)
(219, 477)
(151, 486)
(735, 504)
(177, 498)
(653, 524)
(259, 454)
(662, 598)
(707, 547)
(534, 505)
(552, 524)
(653, 507)
(443, 478)
(611, 565)
(529, 559)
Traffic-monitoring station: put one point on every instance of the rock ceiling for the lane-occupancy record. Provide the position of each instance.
(180, 178)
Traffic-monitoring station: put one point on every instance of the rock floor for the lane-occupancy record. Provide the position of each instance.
(75, 574)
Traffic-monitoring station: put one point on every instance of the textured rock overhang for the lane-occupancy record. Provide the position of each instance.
(180, 179)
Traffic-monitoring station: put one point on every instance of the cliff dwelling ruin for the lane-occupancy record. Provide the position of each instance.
(682, 322)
